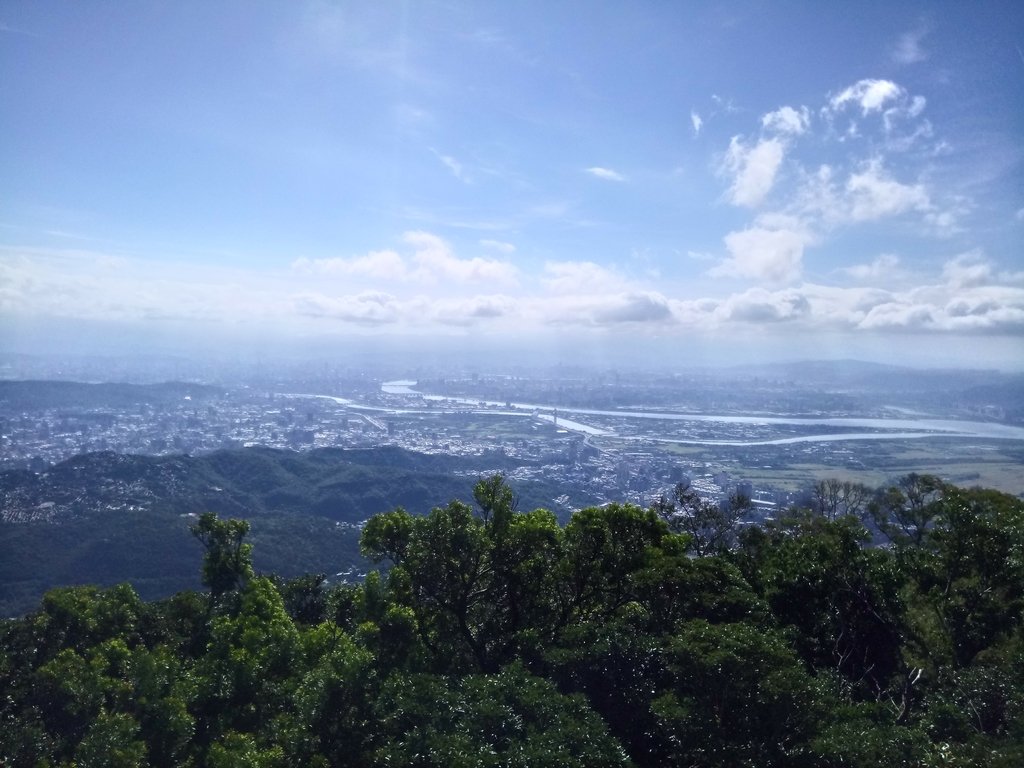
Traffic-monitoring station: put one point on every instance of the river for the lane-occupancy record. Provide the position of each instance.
(907, 427)
(894, 429)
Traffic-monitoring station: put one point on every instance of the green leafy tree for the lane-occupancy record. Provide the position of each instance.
(112, 741)
(335, 697)
(969, 574)
(604, 547)
(620, 669)
(442, 564)
(510, 719)
(246, 675)
(842, 598)
(305, 597)
(904, 512)
(227, 564)
(479, 587)
(738, 696)
(498, 638)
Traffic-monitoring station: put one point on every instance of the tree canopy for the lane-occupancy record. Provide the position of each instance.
(868, 630)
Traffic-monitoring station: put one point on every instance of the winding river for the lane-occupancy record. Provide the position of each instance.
(894, 429)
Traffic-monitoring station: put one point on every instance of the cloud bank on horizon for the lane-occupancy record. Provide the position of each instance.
(409, 169)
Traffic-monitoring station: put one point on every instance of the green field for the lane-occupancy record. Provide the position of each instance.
(990, 464)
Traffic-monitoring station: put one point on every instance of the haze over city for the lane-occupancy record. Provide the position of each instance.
(633, 183)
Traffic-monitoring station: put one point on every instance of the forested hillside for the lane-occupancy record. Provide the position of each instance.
(104, 518)
(499, 638)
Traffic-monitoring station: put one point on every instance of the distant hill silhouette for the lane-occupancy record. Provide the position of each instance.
(39, 395)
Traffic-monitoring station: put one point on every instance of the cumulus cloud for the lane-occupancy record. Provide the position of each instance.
(758, 305)
(470, 311)
(937, 308)
(853, 188)
(635, 308)
(870, 95)
(607, 309)
(368, 308)
(870, 193)
(873, 194)
(787, 120)
(884, 268)
(383, 265)
(899, 111)
(956, 306)
(432, 260)
(580, 277)
(896, 315)
(967, 293)
(753, 169)
(436, 261)
(771, 250)
(967, 269)
(606, 173)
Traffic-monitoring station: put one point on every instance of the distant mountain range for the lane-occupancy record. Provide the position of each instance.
(105, 517)
(40, 395)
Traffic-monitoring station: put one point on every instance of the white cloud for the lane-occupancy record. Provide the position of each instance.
(498, 245)
(435, 260)
(753, 169)
(381, 265)
(771, 250)
(473, 310)
(884, 268)
(368, 308)
(580, 277)
(966, 270)
(787, 120)
(872, 194)
(870, 95)
(969, 293)
(760, 306)
(697, 123)
(432, 260)
(635, 308)
(607, 309)
(605, 173)
(931, 309)
(899, 111)
(1019, 215)
(898, 316)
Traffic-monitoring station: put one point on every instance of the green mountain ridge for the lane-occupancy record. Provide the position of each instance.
(105, 518)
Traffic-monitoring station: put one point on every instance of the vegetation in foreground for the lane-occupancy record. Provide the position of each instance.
(639, 637)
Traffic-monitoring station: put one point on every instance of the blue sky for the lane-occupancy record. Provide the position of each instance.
(707, 181)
